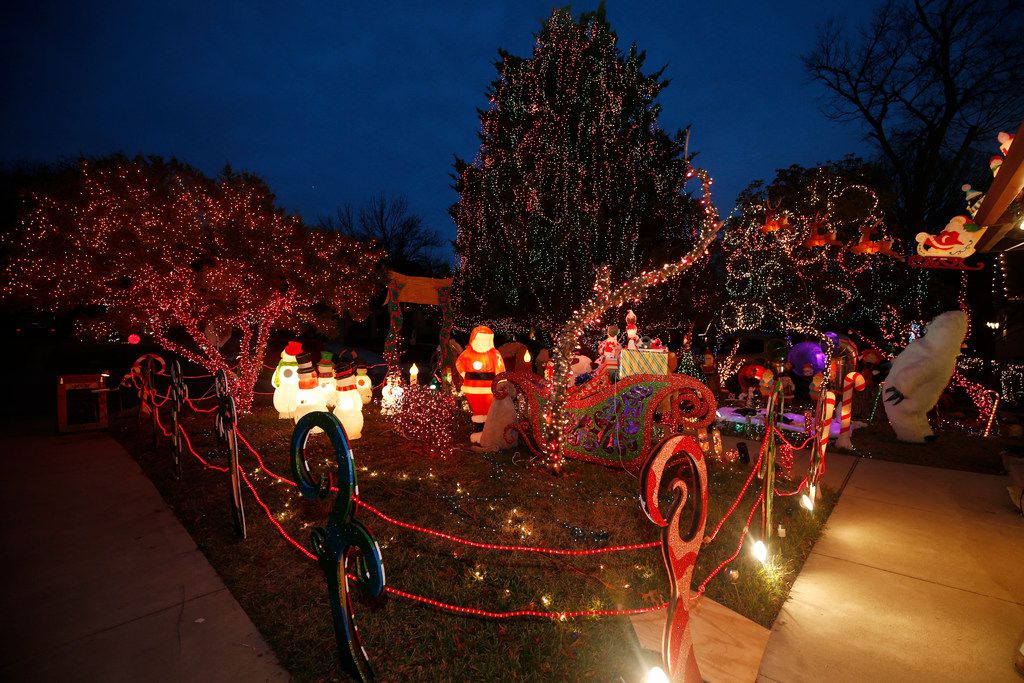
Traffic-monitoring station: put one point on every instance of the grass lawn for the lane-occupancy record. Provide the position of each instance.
(955, 450)
(504, 498)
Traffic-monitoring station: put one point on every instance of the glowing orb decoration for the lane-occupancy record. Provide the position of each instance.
(134, 339)
(807, 353)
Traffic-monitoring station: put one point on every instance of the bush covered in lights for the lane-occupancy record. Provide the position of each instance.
(429, 416)
(814, 249)
(154, 245)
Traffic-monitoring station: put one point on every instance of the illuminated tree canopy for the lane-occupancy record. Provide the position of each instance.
(154, 246)
(812, 250)
(573, 173)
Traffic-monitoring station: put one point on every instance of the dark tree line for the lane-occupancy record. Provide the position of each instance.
(412, 247)
(931, 82)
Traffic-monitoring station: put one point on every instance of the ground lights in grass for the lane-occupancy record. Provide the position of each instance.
(478, 575)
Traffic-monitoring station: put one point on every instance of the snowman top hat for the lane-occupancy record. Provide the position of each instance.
(325, 368)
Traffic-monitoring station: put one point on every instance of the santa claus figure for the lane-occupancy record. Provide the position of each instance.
(478, 365)
(708, 366)
(956, 240)
(609, 350)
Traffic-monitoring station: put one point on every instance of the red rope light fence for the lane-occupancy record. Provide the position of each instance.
(487, 546)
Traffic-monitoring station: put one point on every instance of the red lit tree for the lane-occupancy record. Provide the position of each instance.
(153, 245)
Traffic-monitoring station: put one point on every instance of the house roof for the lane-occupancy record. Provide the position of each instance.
(1005, 189)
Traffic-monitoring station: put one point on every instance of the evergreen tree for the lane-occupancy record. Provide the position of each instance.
(573, 173)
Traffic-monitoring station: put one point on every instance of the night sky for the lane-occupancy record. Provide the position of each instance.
(332, 103)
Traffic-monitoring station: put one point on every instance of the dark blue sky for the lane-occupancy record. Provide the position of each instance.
(332, 103)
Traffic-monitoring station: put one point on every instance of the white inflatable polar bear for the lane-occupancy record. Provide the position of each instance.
(920, 374)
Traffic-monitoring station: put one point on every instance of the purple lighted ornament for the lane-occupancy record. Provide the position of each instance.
(807, 353)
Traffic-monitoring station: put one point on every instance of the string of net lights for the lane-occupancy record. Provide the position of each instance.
(154, 246)
(429, 416)
(572, 173)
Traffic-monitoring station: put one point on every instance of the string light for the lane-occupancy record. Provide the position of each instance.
(557, 419)
(152, 245)
(803, 278)
(572, 173)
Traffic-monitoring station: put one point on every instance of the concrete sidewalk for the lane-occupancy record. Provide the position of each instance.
(102, 582)
(919, 576)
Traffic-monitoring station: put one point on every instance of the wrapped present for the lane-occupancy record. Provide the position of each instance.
(643, 362)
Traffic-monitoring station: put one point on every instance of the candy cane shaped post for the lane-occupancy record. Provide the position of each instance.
(826, 409)
(992, 411)
(854, 381)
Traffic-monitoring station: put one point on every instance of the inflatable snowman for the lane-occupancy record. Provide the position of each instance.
(363, 383)
(920, 373)
(325, 377)
(391, 396)
(286, 381)
(310, 398)
(349, 408)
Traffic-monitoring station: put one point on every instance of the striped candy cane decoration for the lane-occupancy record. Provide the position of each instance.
(826, 409)
(854, 381)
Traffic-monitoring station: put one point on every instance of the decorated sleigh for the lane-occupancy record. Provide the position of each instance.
(612, 423)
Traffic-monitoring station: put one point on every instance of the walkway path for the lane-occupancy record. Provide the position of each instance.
(918, 576)
(102, 582)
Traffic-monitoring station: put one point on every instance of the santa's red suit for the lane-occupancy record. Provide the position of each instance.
(610, 350)
(478, 365)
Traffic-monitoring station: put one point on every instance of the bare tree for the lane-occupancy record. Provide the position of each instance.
(929, 80)
(388, 221)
